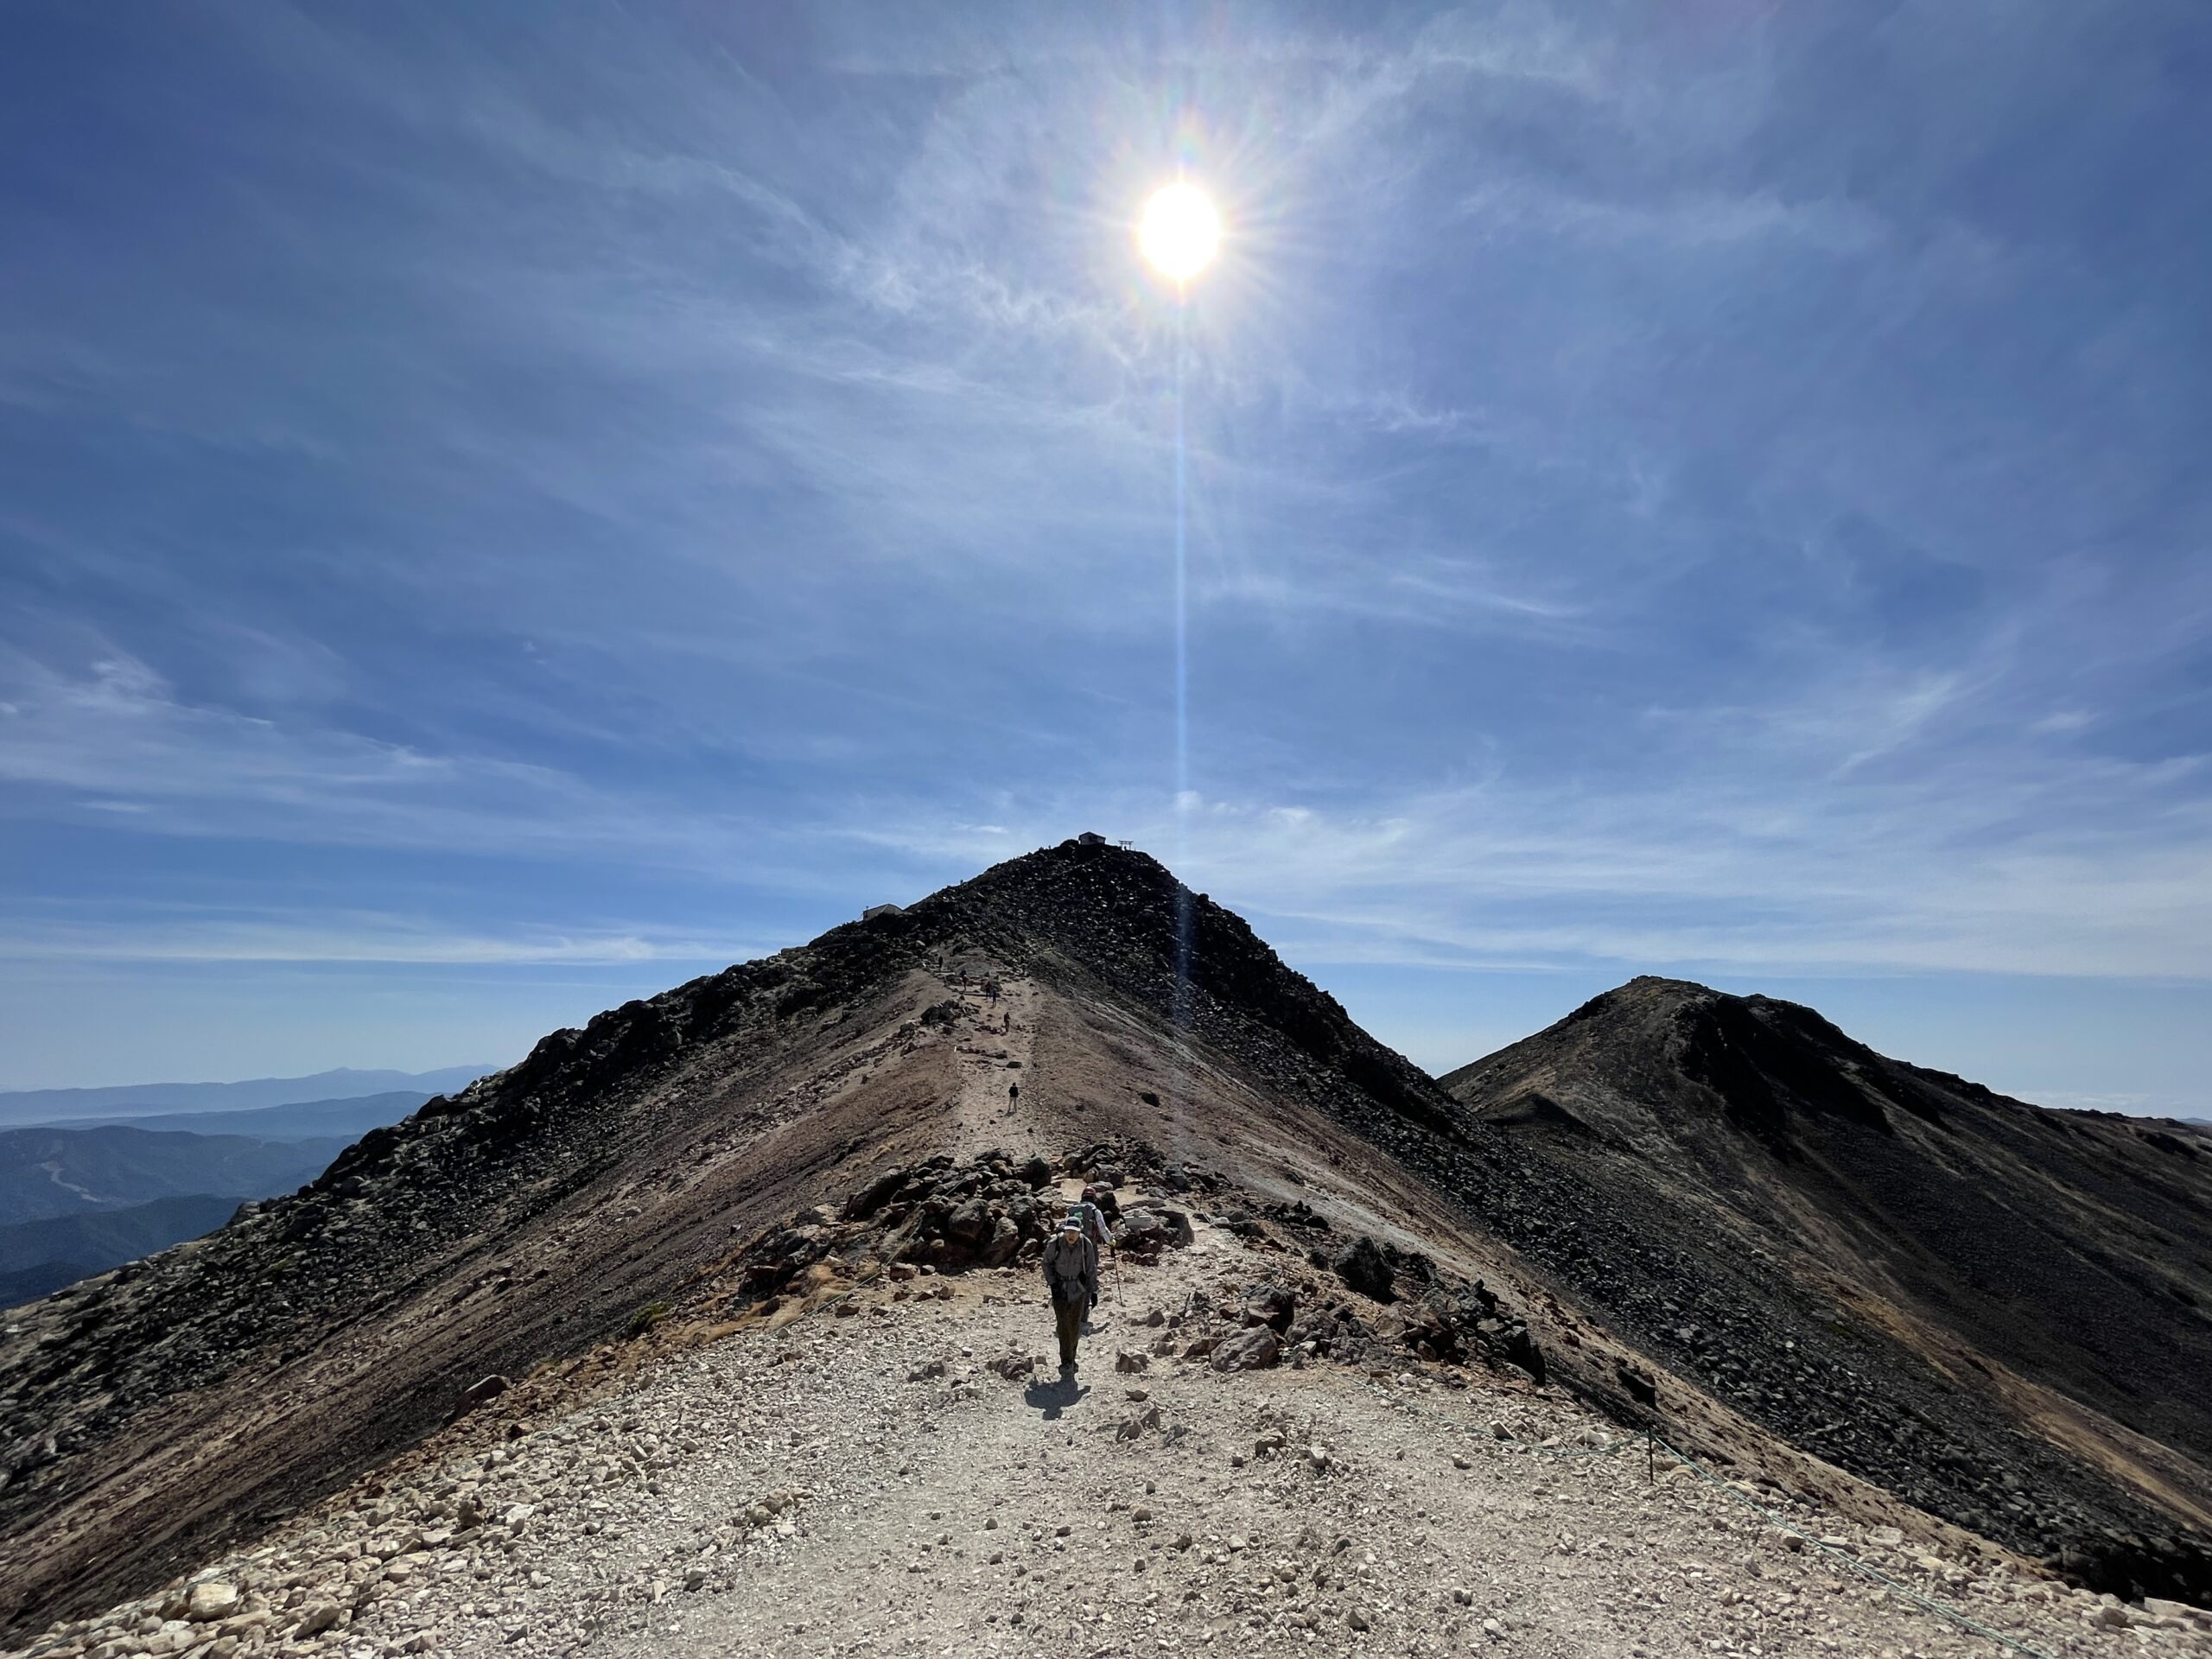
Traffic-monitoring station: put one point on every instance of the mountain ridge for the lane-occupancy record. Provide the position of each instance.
(1994, 1258)
(529, 1219)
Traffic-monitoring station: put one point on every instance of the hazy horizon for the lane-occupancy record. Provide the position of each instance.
(384, 1073)
(1988, 1032)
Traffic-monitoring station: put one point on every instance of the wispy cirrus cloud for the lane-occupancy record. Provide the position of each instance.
(1657, 490)
(334, 937)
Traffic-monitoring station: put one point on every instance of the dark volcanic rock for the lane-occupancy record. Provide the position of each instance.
(1364, 1270)
(1272, 1306)
(1252, 1349)
(1766, 1205)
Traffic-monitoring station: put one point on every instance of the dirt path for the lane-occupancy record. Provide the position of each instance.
(942, 1508)
(991, 1061)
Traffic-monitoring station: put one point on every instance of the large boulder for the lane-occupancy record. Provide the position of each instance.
(211, 1599)
(1004, 1243)
(1254, 1348)
(1367, 1270)
(873, 1196)
(1272, 1306)
(1147, 1230)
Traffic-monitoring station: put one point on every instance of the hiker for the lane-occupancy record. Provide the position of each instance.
(1090, 1220)
(1090, 1214)
(1012, 1093)
(1072, 1279)
(1105, 1210)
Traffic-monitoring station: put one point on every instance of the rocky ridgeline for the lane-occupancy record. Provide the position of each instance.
(394, 1210)
(878, 1482)
(1352, 1300)
(1134, 934)
(408, 1211)
(1701, 1128)
(1749, 1329)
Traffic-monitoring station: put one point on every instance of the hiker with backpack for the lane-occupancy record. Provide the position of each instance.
(1089, 1217)
(1071, 1280)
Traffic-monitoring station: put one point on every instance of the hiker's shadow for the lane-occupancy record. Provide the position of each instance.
(1054, 1396)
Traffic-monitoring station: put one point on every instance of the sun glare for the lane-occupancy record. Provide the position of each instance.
(1179, 231)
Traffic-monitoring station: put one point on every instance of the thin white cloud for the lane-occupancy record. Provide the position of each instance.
(1731, 870)
(338, 937)
(115, 740)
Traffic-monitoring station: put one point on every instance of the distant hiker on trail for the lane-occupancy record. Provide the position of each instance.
(1072, 1279)
(1012, 1093)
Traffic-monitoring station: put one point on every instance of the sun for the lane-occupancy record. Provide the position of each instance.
(1180, 231)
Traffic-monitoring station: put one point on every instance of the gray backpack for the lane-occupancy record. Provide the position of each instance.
(1063, 1270)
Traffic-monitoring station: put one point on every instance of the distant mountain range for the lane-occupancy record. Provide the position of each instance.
(307, 1120)
(68, 1172)
(92, 1178)
(139, 1100)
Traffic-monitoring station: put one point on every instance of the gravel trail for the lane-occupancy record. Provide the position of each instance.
(862, 1483)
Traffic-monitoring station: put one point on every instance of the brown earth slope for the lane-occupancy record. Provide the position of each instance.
(1995, 1310)
(878, 1460)
(151, 1416)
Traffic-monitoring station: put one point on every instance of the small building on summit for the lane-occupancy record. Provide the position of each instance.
(874, 910)
(1090, 838)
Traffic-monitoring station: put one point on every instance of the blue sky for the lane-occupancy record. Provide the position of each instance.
(503, 508)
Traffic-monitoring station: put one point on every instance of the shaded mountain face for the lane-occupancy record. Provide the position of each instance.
(150, 1414)
(1997, 1311)
(37, 1257)
(65, 1172)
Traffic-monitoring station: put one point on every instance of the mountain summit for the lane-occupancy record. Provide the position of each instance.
(1995, 1310)
(150, 1412)
(1672, 1201)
